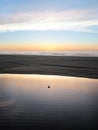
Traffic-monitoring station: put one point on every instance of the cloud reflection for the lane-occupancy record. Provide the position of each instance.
(5, 103)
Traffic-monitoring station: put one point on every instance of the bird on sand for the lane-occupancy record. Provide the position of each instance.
(48, 86)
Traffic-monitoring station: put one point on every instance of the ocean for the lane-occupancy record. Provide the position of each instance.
(54, 53)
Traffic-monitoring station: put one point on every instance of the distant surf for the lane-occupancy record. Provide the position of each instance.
(54, 53)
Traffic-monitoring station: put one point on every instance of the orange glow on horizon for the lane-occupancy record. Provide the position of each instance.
(46, 47)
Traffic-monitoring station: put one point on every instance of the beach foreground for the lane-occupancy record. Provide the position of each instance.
(50, 65)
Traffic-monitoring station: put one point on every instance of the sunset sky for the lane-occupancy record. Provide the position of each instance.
(48, 25)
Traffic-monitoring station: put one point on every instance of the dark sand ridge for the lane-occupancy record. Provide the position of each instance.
(50, 65)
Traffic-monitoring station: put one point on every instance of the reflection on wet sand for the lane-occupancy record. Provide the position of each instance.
(27, 98)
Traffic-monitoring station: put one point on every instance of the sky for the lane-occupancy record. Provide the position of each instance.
(33, 25)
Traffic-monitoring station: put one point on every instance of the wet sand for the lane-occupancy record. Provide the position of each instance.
(50, 65)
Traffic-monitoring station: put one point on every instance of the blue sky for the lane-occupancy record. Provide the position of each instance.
(59, 24)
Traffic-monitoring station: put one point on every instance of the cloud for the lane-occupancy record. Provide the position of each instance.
(68, 20)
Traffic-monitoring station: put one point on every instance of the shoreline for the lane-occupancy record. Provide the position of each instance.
(73, 66)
